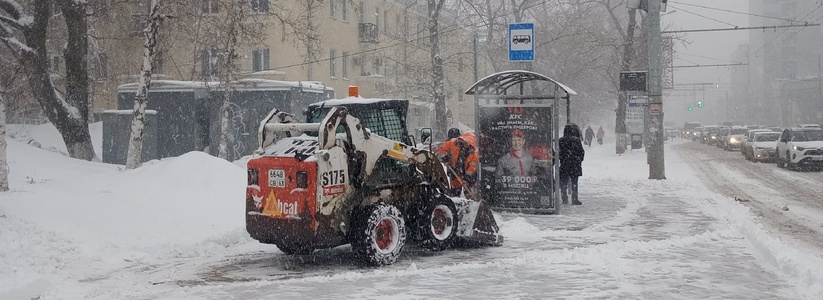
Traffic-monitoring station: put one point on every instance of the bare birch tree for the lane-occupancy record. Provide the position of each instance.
(4, 167)
(441, 122)
(25, 32)
(135, 152)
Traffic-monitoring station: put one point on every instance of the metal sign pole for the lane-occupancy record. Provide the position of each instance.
(556, 147)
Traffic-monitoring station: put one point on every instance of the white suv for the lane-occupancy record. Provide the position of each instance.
(800, 146)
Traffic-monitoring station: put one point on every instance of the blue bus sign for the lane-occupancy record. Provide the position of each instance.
(521, 42)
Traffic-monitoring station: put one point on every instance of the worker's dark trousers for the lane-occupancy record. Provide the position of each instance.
(565, 180)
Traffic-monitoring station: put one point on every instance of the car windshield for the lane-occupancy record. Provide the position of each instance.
(767, 137)
(739, 131)
(808, 136)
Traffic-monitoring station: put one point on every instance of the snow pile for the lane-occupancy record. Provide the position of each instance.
(63, 215)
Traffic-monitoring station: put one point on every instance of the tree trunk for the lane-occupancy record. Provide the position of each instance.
(135, 154)
(441, 121)
(226, 71)
(628, 54)
(4, 167)
(67, 116)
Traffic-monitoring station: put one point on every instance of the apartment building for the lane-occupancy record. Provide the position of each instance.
(382, 46)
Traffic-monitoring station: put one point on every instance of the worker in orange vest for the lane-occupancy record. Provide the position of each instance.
(459, 152)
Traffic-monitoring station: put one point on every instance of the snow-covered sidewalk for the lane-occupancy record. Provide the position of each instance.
(174, 229)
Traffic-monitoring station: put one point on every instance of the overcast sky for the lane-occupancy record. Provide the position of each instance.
(709, 47)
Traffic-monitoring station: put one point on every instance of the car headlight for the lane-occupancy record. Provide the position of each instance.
(798, 148)
(714, 137)
(733, 140)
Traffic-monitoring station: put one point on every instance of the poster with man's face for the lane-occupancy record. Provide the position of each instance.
(515, 156)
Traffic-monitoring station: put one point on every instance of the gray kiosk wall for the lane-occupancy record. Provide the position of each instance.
(117, 132)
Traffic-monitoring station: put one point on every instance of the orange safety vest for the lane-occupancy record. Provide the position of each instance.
(452, 150)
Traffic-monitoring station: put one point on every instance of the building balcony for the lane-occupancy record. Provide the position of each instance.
(367, 32)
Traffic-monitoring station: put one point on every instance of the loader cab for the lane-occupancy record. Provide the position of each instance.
(382, 117)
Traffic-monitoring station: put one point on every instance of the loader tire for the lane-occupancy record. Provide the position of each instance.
(379, 234)
(438, 223)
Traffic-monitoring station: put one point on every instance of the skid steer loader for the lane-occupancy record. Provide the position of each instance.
(349, 176)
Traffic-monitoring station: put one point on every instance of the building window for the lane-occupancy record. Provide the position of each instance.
(344, 5)
(259, 60)
(209, 61)
(377, 63)
(345, 60)
(260, 6)
(332, 8)
(386, 21)
(332, 63)
(406, 27)
(362, 63)
(210, 6)
(157, 64)
(361, 13)
(397, 25)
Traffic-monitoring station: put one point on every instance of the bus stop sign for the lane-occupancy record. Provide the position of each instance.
(521, 42)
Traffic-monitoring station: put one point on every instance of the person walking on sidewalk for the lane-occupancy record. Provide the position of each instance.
(589, 135)
(600, 134)
(571, 160)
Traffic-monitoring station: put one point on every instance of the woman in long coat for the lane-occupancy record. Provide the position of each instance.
(571, 161)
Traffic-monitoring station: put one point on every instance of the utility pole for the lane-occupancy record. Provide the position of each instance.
(657, 168)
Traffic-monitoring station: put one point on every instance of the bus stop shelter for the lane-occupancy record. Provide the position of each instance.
(517, 117)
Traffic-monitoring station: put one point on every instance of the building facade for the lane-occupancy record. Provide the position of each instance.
(785, 64)
(382, 46)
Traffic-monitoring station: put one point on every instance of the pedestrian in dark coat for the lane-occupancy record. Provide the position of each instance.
(571, 160)
(589, 135)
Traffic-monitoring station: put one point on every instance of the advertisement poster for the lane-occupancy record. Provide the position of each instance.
(515, 156)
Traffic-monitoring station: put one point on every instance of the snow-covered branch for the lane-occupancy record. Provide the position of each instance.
(12, 41)
(13, 9)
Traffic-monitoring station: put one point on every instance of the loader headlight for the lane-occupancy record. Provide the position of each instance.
(302, 180)
(252, 177)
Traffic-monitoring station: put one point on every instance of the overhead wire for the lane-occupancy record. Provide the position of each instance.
(702, 16)
(757, 53)
(735, 12)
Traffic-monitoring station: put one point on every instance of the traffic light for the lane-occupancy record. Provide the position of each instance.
(690, 108)
(699, 104)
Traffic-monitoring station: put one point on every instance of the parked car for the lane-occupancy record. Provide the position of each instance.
(745, 148)
(689, 129)
(733, 138)
(695, 134)
(721, 136)
(763, 146)
(710, 135)
(800, 147)
(809, 126)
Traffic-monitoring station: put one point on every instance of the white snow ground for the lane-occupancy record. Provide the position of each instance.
(174, 229)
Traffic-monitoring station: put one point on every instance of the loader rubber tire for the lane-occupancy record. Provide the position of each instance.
(438, 223)
(379, 234)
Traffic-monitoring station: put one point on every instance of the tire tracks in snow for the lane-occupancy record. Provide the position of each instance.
(710, 164)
